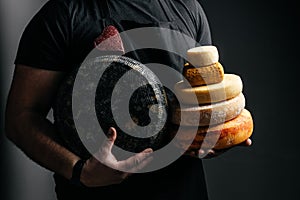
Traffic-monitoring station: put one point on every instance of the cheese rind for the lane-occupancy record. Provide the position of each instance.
(197, 76)
(208, 114)
(230, 87)
(203, 55)
(222, 136)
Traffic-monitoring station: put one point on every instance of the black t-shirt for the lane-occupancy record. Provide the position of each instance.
(63, 33)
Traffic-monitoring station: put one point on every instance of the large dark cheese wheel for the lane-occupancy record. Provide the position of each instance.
(150, 92)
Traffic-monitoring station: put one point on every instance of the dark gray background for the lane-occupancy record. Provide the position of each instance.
(257, 40)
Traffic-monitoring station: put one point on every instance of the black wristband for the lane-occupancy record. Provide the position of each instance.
(75, 179)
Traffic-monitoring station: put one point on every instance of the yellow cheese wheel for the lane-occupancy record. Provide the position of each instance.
(207, 114)
(197, 76)
(230, 87)
(203, 55)
(222, 136)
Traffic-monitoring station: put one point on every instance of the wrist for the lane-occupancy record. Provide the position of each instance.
(76, 172)
(86, 175)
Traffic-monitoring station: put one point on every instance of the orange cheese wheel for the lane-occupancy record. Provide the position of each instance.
(220, 136)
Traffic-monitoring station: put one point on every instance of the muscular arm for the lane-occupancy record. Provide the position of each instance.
(29, 101)
(28, 104)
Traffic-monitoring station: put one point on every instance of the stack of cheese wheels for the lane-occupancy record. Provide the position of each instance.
(212, 101)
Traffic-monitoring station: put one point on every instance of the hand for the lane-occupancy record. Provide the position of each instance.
(96, 173)
(211, 153)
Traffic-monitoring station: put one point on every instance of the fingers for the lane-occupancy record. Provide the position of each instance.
(132, 164)
(201, 153)
(210, 153)
(206, 154)
(136, 162)
(248, 142)
(213, 152)
(146, 158)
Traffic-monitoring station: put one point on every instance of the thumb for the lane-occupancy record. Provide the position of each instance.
(108, 143)
(112, 134)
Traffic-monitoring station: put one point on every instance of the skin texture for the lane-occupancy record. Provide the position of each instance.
(29, 101)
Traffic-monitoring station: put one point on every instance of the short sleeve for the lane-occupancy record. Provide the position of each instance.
(204, 33)
(44, 42)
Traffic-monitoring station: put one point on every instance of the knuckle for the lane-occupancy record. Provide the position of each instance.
(136, 161)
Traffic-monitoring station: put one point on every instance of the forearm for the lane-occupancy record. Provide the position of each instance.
(34, 135)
